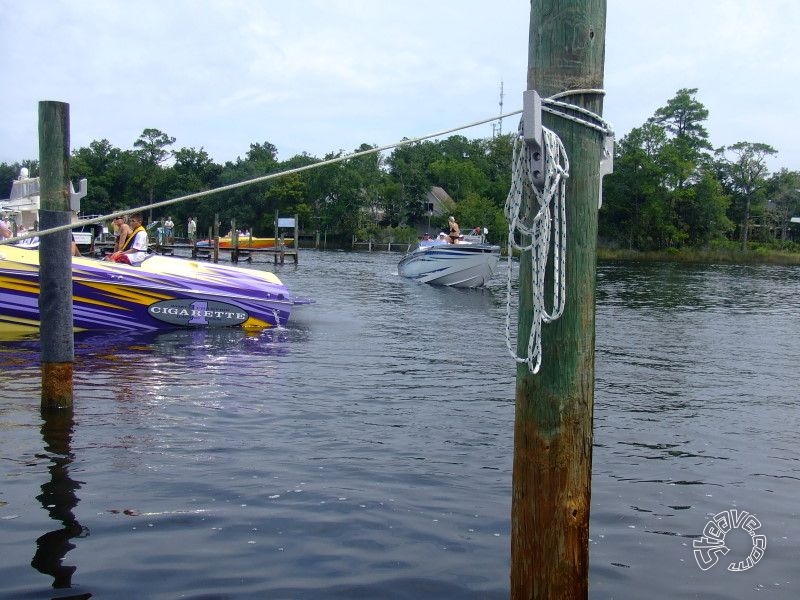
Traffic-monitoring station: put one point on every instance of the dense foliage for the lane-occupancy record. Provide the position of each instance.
(669, 189)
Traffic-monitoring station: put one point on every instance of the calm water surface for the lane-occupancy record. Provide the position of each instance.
(365, 450)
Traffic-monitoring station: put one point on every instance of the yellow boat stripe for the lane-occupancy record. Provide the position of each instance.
(253, 323)
(19, 285)
(121, 292)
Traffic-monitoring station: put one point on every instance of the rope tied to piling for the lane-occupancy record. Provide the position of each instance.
(547, 217)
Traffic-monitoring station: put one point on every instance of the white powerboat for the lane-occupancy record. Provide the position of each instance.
(465, 264)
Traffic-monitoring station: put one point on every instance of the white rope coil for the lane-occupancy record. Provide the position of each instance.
(550, 217)
(548, 221)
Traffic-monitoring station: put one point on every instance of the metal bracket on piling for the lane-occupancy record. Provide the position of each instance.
(606, 163)
(75, 197)
(532, 134)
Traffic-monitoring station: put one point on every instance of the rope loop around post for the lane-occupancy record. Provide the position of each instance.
(546, 218)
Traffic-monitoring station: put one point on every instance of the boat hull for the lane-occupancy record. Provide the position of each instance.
(452, 265)
(163, 293)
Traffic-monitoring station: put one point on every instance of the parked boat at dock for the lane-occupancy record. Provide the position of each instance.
(162, 293)
(22, 210)
(469, 263)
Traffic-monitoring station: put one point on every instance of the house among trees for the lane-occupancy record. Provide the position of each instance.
(438, 205)
(438, 202)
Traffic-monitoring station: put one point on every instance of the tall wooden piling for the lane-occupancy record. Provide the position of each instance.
(296, 239)
(234, 236)
(215, 239)
(279, 248)
(55, 257)
(551, 487)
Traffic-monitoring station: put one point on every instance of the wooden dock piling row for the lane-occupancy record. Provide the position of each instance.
(207, 252)
(236, 254)
(238, 250)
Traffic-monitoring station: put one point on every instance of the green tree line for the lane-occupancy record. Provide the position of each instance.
(669, 189)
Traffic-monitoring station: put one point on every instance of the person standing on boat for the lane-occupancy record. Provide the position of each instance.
(122, 231)
(135, 249)
(455, 232)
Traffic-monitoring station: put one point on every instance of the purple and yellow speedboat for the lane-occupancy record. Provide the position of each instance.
(163, 293)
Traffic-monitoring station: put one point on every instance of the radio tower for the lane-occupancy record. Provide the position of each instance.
(500, 125)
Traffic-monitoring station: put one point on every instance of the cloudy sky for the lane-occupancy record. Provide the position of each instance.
(320, 76)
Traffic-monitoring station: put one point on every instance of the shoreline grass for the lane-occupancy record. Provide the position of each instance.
(707, 256)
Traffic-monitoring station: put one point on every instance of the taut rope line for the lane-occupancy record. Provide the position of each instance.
(259, 179)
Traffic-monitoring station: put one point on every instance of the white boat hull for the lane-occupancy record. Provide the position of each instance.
(459, 265)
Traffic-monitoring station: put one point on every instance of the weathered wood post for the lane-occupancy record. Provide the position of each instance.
(296, 239)
(55, 257)
(215, 238)
(234, 235)
(551, 486)
(276, 248)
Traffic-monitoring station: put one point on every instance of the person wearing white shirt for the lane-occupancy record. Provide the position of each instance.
(134, 250)
(192, 230)
(168, 230)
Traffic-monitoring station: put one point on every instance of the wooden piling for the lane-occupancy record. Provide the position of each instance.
(551, 487)
(296, 239)
(215, 239)
(277, 239)
(276, 232)
(55, 257)
(234, 236)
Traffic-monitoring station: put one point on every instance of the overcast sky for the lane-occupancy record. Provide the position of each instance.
(320, 76)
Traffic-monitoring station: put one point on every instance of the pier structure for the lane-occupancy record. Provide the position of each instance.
(181, 247)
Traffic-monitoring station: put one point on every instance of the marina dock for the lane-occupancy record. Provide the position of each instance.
(279, 254)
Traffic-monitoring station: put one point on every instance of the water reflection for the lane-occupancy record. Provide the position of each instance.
(58, 498)
(709, 287)
(92, 347)
(652, 285)
(267, 342)
(362, 442)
